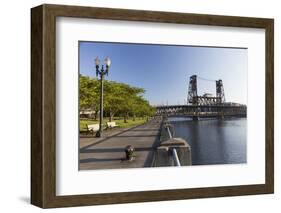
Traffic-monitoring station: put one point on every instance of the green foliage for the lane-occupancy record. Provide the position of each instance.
(88, 90)
(119, 99)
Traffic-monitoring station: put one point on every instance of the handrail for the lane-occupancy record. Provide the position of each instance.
(169, 132)
(174, 151)
(175, 157)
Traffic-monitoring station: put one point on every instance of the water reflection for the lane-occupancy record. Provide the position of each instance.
(214, 141)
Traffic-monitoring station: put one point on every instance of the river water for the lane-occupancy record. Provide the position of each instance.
(214, 141)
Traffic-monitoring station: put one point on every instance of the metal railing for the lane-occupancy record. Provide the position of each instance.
(169, 131)
(174, 153)
(175, 157)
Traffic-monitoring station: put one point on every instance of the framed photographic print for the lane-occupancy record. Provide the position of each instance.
(136, 106)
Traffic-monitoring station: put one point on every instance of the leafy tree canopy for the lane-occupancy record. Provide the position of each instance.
(119, 99)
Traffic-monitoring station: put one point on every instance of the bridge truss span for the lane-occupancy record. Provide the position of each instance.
(197, 111)
(205, 105)
(205, 99)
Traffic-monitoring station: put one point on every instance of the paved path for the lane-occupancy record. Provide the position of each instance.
(109, 153)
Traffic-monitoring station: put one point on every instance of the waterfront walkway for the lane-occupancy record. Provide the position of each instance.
(108, 152)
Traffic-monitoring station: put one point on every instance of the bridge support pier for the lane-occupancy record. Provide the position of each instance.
(195, 118)
(221, 116)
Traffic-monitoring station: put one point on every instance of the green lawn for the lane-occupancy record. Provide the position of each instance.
(119, 122)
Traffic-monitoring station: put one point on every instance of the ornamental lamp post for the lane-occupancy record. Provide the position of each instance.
(101, 72)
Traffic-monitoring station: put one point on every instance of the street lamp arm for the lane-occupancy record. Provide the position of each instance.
(97, 70)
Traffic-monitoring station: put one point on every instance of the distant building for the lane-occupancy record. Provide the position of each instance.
(87, 113)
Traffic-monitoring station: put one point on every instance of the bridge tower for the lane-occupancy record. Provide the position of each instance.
(220, 92)
(192, 96)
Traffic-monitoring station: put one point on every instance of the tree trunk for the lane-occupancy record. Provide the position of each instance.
(111, 116)
(95, 115)
(134, 117)
(125, 118)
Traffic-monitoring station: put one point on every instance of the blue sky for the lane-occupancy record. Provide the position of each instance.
(164, 70)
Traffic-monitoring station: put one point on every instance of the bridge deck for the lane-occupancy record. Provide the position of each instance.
(203, 110)
(200, 106)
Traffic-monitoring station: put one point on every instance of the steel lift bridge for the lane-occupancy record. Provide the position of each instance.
(206, 105)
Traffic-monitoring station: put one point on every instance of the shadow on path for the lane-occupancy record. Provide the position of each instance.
(111, 154)
(104, 150)
(140, 130)
(105, 139)
(135, 136)
(89, 160)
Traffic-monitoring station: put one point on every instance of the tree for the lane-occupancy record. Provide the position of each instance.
(113, 98)
(88, 93)
(119, 98)
(129, 95)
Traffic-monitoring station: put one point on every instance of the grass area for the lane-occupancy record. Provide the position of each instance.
(119, 122)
